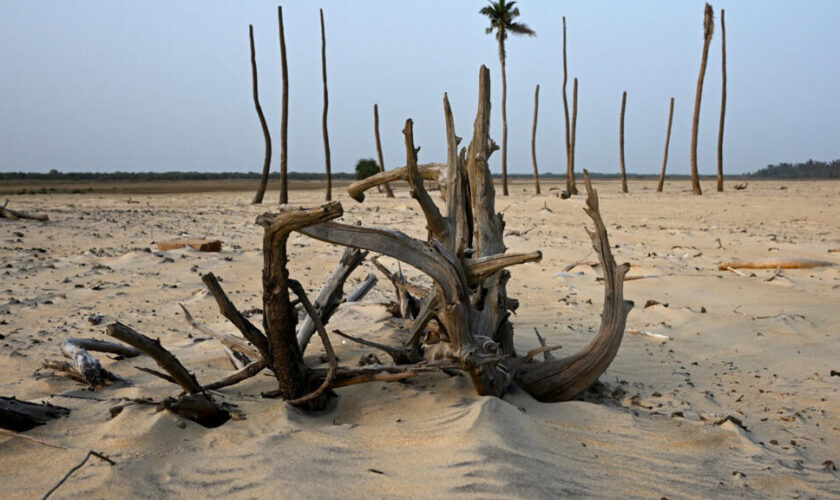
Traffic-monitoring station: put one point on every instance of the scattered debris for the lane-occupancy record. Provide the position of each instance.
(202, 245)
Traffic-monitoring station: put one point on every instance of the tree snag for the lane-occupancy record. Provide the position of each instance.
(326, 106)
(8, 213)
(388, 192)
(708, 29)
(534, 139)
(572, 141)
(284, 116)
(258, 198)
(621, 142)
(667, 143)
(722, 100)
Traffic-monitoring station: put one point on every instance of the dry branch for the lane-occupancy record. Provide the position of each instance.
(19, 416)
(228, 341)
(429, 171)
(565, 378)
(7, 213)
(331, 294)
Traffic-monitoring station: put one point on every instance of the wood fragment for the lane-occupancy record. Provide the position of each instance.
(200, 244)
(647, 333)
(19, 416)
(773, 263)
(6, 432)
(7, 213)
(229, 341)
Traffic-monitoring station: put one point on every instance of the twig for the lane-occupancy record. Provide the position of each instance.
(739, 273)
(647, 333)
(228, 340)
(77, 467)
(6, 432)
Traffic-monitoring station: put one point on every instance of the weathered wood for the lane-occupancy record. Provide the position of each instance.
(88, 366)
(439, 228)
(388, 192)
(105, 346)
(569, 177)
(246, 372)
(228, 341)
(477, 270)
(564, 378)
(572, 141)
(157, 352)
(667, 143)
(284, 113)
(8, 213)
(534, 139)
(196, 405)
(364, 287)
(326, 106)
(19, 416)
(621, 142)
(331, 294)
(708, 30)
(429, 171)
(722, 100)
(258, 197)
(200, 244)
(279, 317)
(229, 311)
(775, 263)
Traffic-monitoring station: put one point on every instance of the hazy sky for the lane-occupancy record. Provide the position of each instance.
(160, 85)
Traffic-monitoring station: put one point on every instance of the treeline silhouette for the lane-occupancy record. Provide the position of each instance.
(55, 175)
(809, 170)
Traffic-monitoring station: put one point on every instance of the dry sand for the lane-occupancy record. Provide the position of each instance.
(759, 351)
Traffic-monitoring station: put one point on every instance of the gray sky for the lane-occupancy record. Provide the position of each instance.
(158, 85)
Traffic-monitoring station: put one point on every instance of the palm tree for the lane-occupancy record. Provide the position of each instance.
(708, 29)
(502, 14)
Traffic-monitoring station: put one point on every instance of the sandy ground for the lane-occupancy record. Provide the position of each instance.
(759, 351)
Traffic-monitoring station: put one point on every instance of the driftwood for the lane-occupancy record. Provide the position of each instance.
(195, 405)
(8, 213)
(83, 366)
(775, 263)
(621, 142)
(19, 416)
(284, 114)
(200, 244)
(465, 258)
(464, 255)
(331, 293)
(429, 171)
(78, 466)
(326, 106)
(667, 144)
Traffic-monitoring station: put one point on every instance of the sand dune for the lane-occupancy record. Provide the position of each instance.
(740, 403)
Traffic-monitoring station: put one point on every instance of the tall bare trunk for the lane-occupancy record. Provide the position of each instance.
(388, 192)
(708, 28)
(569, 174)
(572, 141)
(504, 114)
(284, 117)
(667, 142)
(326, 105)
(621, 143)
(722, 101)
(534, 139)
(258, 198)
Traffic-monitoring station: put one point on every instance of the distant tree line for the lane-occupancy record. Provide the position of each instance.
(809, 170)
(159, 176)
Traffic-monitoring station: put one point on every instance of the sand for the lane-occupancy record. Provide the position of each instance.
(757, 351)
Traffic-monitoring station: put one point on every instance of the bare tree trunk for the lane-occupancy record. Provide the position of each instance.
(326, 105)
(572, 142)
(708, 29)
(534, 139)
(258, 198)
(388, 192)
(569, 181)
(621, 143)
(284, 117)
(504, 115)
(667, 143)
(722, 101)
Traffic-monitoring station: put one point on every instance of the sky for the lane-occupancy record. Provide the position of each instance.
(103, 85)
